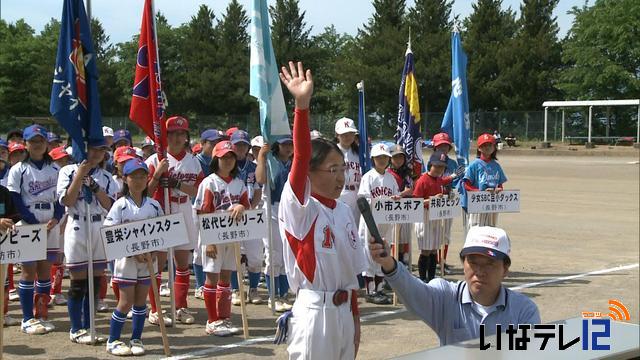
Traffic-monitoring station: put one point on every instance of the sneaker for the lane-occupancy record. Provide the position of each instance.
(232, 329)
(9, 321)
(130, 314)
(137, 347)
(13, 295)
(155, 319)
(48, 325)
(253, 297)
(218, 328)
(80, 337)
(199, 293)
(380, 299)
(235, 297)
(102, 306)
(118, 348)
(164, 290)
(286, 302)
(279, 306)
(32, 327)
(58, 299)
(184, 316)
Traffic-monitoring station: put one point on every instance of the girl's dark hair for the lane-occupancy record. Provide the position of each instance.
(404, 170)
(125, 189)
(214, 166)
(355, 145)
(320, 149)
(494, 154)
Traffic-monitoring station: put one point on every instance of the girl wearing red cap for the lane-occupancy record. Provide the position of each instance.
(223, 190)
(483, 174)
(185, 175)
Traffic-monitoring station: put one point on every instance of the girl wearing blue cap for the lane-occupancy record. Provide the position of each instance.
(131, 273)
(32, 183)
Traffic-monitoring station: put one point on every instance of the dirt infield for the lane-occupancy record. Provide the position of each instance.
(578, 214)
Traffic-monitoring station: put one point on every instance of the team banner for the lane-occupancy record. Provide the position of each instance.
(363, 135)
(25, 243)
(402, 211)
(506, 201)
(444, 207)
(143, 236)
(221, 228)
(74, 95)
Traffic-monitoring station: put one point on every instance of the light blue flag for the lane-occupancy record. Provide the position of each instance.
(456, 117)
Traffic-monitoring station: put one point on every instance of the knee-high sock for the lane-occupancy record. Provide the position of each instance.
(57, 273)
(210, 302)
(116, 290)
(25, 290)
(254, 280)
(223, 298)
(422, 267)
(10, 277)
(284, 285)
(446, 250)
(139, 315)
(116, 324)
(41, 299)
(103, 287)
(86, 309)
(431, 270)
(378, 281)
(152, 297)
(181, 287)
(234, 281)
(276, 284)
(77, 289)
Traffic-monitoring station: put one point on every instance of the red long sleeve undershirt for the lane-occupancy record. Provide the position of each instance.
(301, 153)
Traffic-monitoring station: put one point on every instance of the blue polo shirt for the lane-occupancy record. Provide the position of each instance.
(449, 310)
(482, 175)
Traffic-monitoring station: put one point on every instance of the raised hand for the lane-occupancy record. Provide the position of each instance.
(299, 82)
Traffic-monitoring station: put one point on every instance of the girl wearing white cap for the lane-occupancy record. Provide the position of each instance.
(377, 183)
(347, 142)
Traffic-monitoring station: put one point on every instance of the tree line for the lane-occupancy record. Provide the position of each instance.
(515, 62)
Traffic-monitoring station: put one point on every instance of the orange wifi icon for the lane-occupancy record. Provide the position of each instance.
(618, 312)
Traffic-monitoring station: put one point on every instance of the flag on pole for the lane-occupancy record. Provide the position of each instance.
(148, 101)
(75, 102)
(365, 158)
(456, 118)
(408, 133)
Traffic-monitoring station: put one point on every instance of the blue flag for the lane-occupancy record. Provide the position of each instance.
(408, 133)
(456, 117)
(363, 145)
(74, 96)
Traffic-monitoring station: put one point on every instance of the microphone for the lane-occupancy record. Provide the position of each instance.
(365, 210)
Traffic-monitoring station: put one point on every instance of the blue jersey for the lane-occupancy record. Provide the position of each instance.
(247, 173)
(281, 178)
(483, 175)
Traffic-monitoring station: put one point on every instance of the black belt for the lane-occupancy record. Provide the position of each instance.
(42, 206)
(94, 218)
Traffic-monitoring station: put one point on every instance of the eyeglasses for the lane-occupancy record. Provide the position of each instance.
(334, 169)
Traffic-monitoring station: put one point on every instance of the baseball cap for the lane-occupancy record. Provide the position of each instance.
(257, 141)
(222, 148)
(240, 136)
(441, 138)
(14, 132)
(51, 136)
(16, 146)
(285, 139)
(176, 123)
(196, 148)
(211, 135)
(97, 143)
(230, 131)
(133, 165)
(315, 134)
(380, 149)
(147, 142)
(58, 153)
(438, 158)
(124, 153)
(4, 144)
(139, 152)
(107, 131)
(488, 241)
(485, 138)
(397, 150)
(34, 130)
(345, 125)
(122, 134)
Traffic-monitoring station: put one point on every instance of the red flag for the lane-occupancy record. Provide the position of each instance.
(147, 104)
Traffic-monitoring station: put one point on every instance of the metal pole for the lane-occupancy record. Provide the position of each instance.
(546, 115)
(590, 115)
(526, 126)
(272, 280)
(562, 125)
(638, 134)
(89, 12)
(555, 127)
(92, 304)
(171, 254)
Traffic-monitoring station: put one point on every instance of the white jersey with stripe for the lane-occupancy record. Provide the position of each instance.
(353, 172)
(34, 185)
(321, 247)
(215, 193)
(184, 168)
(101, 176)
(375, 185)
(125, 210)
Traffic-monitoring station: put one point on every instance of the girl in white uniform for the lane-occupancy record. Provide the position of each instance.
(79, 184)
(131, 273)
(377, 183)
(322, 251)
(223, 190)
(347, 142)
(32, 183)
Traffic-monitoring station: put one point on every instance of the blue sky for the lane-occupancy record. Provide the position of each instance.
(121, 18)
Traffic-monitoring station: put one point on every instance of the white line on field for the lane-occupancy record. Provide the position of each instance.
(369, 317)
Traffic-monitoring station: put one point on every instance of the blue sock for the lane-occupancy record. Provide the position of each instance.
(117, 322)
(199, 275)
(25, 290)
(43, 286)
(139, 316)
(284, 285)
(74, 304)
(234, 280)
(276, 283)
(254, 279)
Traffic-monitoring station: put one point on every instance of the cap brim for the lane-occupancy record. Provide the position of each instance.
(347, 130)
(440, 142)
(124, 158)
(241, 141)
(480, 250)
(223, 152)
(440, 163)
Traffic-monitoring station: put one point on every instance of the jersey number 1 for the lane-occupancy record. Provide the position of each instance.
(327, 243)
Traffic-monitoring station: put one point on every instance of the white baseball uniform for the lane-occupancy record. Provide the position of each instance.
(186, 168)
(218, 194)
(352, 178)
(37, 187)
(375, 185)
(127, 270)
(254, 250)
(75, 232)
